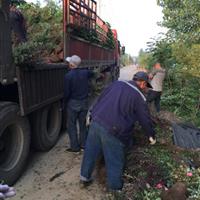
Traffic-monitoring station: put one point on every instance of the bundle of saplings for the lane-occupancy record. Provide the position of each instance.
(44, 34)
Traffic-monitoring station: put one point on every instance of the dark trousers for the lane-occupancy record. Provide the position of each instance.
(99, 142)
(76, 112)
(154, 97)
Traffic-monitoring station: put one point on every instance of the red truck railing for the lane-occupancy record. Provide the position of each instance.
(83, 13)
(80, 16)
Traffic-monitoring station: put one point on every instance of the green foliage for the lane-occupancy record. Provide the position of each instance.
(110, 42)
(179, 52)
(182, 95)
(152, 169)
(92, 36)
(145, 59)
(160, 50)
(149, 194)
(163, 158)
(193, 182)
(188, 57)
(182, 18)
(126, 60)
(89, 35)
(44, 31)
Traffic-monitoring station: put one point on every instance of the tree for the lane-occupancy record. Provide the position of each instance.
(182, 18)
(144, 59)
(126, 60)
(161, 51)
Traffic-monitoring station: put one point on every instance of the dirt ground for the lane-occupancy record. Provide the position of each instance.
(54, 175)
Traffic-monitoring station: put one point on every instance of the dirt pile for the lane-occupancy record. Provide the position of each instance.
(177, 191)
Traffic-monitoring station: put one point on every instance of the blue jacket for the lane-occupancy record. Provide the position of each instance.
(119, 107)
(76, 84)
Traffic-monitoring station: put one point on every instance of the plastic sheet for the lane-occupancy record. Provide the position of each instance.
(186, 136)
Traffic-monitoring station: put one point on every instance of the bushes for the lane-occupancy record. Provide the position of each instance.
(182, 96)
(44, 31)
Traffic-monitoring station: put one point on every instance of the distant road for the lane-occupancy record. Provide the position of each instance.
(126, 73)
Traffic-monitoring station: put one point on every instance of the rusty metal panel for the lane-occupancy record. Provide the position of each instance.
(79, 47)
(90, 51)
(39, 87)
(7, 70)
(96, 52)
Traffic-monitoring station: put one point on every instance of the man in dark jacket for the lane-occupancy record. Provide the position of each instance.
(76, 88)
(18, 24)
(110, 133)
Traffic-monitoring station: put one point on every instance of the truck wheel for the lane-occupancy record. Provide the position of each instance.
(46, 125)
(14, 142)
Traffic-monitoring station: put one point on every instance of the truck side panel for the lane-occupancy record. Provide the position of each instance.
(91, 53)
(39, 87)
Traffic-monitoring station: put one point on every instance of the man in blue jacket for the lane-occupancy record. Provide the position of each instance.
(76, 89)
(110, 133)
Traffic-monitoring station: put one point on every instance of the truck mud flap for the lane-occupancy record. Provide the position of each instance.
(186, 136)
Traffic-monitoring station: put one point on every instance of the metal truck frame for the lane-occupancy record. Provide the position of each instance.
(30, 98)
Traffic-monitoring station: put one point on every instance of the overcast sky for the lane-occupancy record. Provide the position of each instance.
(135, 21)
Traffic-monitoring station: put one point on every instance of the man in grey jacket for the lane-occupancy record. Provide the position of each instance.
(157, 77)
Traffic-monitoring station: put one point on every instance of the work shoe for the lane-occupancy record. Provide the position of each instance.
(82, 149)
(73, 150)
(85, 184)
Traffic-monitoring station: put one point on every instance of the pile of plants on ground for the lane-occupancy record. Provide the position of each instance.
(157, 172)
(161, 171)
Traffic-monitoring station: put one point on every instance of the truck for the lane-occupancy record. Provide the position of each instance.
(31, 98)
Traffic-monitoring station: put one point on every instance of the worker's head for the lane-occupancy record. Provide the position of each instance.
(12, 7)
(13, 4)
(157, 65)
(74, 61)
(142, 80)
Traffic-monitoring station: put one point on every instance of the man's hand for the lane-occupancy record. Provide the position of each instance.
(152, 141)
(150, 76)
(6, 192)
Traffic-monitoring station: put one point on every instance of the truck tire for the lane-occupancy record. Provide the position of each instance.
(14, 142)
(46, 125)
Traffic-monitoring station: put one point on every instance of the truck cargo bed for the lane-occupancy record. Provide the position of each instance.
(40, 86)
